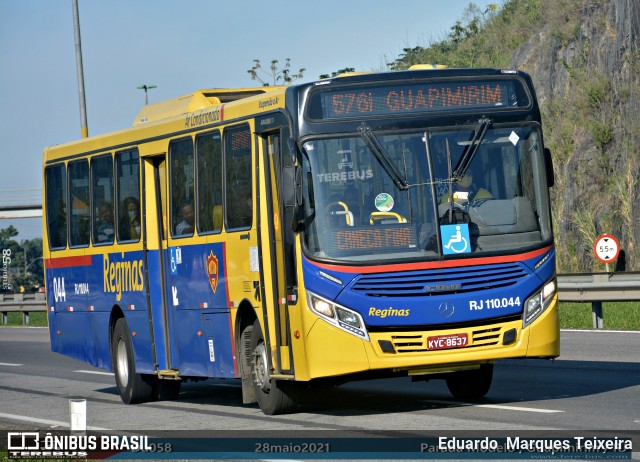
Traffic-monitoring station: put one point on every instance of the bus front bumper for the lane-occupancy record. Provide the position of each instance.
(332, 352)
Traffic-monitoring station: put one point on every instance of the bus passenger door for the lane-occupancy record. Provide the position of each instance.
(155, 245)
(277, 251)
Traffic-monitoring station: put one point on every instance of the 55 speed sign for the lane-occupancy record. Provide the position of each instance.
(606, 248)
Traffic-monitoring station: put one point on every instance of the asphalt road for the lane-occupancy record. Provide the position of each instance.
(594, 385)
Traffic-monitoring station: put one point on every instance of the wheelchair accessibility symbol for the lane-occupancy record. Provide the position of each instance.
(455, 238)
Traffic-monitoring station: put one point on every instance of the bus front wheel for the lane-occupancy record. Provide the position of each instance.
(472, 384)
(274, 396)
(133, 387)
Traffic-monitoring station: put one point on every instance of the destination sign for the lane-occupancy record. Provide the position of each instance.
(354, 240)
(416, 97)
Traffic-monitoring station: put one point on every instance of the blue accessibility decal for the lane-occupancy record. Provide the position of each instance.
(455, 238)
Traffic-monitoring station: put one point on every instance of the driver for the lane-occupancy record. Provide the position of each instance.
(466, 190)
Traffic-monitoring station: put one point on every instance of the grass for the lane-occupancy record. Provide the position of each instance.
(616, 315)
(36, 319)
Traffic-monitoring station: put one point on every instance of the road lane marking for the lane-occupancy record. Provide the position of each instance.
(496, 406)
(11, 364)
(58, 423)
(601, 331)
(95, 372)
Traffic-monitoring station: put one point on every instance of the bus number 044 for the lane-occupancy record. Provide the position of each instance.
(58, 290)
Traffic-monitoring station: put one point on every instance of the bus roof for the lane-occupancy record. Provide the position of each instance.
(195, 101)
(169, 115)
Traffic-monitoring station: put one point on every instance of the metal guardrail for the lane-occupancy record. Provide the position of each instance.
(599, 287)
(25, 303)
(580, 287)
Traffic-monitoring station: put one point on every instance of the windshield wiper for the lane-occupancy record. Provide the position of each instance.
(467, 156)
(383, 157)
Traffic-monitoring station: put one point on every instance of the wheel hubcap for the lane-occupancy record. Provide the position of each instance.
(122, 362)
(261, 368)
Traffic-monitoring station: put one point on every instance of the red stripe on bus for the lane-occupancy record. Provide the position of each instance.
(432, 265)
(68, 262)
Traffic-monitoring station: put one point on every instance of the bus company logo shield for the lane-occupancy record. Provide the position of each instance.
(212, 271)
(446, 309)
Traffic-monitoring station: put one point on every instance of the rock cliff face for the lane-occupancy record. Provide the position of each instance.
(588, 83)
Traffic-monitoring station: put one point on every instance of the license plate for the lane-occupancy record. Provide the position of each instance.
(445, 342)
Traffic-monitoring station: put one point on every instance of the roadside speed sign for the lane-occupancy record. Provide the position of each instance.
(606, 248)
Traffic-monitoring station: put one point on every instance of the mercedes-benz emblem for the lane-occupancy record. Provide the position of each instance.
(446, 309)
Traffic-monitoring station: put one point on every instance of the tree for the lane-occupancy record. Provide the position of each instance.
(22, 265)
(338, 72)
(275, 74)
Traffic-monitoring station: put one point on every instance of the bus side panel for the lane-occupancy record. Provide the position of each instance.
(75, 337)
(204, 344)
(219, 344)
(138, 323)
(67, 281)
(99, 321)
(199, 310)
(158, 308)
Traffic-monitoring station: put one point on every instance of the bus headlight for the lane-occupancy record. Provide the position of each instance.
(537, 303)
(343, 318)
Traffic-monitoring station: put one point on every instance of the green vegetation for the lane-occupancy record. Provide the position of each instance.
(615, 315)
(36, 319)
(589, 108)
(21, 264)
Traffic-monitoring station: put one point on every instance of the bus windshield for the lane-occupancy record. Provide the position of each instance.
(424, 194)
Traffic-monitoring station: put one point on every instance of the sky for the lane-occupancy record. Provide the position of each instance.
(179, 46)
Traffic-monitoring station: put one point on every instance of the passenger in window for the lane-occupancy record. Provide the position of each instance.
(105, 229)
(130, 223)
(188, 219)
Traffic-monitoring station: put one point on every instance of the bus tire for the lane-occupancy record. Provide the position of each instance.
(274, 396)
(133, 387)
(471, 385)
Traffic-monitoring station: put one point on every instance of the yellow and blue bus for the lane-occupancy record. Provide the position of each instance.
(371, 225)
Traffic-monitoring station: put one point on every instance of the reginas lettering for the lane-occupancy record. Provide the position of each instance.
(123, 276)
(373, 311)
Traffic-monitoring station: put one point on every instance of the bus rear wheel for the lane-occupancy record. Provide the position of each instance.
(472, 384)
(274, 396)
(133, 387)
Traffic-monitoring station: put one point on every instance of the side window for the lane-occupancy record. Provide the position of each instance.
(182, 182)
(209, 151)
(128, 190)
(79, 225)
(238, 174)
(56, 203)
(102, 200)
